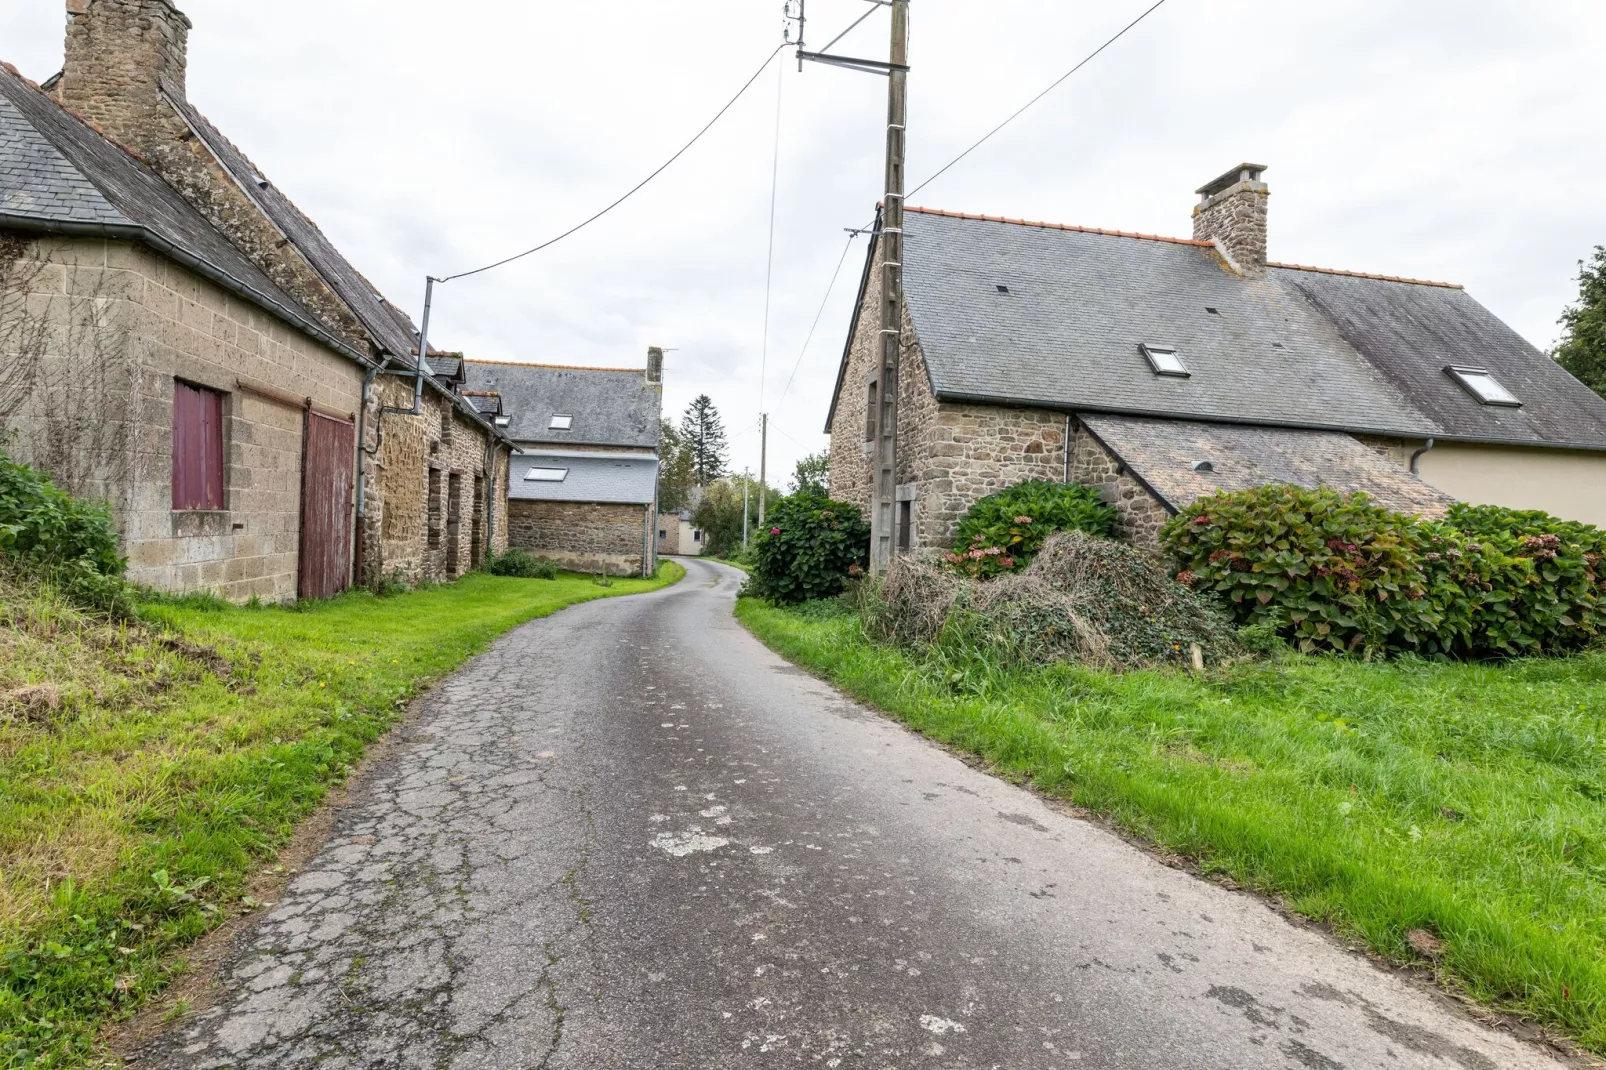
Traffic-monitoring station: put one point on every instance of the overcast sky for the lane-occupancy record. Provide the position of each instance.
(1462, 140)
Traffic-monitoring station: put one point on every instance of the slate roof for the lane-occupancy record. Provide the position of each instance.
(447, 367)
(616, 478)
(1016, 313)
(1162, 452)
(610, 406)
(485, 402)
(386, 324)
(1412, 333)
(58, 174)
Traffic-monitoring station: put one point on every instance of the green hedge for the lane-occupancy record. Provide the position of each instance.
(1003, 532)
(1340, 573)
(809, 547)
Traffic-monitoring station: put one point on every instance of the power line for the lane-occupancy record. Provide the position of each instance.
(1084, 62)
(769, 259)
(823, 302)
(635, 189)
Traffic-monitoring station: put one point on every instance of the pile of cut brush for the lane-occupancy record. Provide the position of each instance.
(1082, 599)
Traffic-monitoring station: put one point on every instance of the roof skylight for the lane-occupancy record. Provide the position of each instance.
(1484, 386)
(1164, 360)
(547, 475)
(561, 422)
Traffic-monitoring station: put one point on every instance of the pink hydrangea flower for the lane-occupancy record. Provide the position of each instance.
(775, 531)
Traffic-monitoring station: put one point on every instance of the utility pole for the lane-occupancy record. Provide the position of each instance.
(763, 462)
(883, 522)
(747, 483)
(883, 517)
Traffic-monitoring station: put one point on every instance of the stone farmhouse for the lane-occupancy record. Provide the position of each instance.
(584, 484)
(177, 339)
(678, 534)
(1163, 369)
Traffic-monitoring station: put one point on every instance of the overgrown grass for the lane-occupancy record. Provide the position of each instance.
(1465, 800)
(147, 769)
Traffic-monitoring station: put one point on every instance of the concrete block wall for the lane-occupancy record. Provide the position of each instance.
(153, 321)
(581, 535)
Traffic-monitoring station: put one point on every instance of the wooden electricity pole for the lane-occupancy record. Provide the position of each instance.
(884, 521)
(883, 516)
(763, 462)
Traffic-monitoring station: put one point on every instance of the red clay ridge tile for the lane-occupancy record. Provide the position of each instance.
(1367, 275)
(1058, 226)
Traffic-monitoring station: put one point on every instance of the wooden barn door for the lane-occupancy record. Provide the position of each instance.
(326, 489)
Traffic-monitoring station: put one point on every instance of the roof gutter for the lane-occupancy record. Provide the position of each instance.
(146, 236)
(1249, 421)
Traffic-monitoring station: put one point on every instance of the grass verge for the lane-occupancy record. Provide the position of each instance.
(146, 769)
(1466, 801)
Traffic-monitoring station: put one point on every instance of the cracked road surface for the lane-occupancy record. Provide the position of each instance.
(630, 838)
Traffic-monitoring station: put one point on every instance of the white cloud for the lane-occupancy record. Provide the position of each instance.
(1458, 140)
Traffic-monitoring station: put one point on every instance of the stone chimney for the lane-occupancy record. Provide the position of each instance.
(1232, 213)
(655, 364)
(121, 54)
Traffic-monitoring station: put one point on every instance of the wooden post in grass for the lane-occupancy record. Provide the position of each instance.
(1196, 656)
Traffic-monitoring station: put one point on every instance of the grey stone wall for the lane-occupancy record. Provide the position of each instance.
(1142, 514)
(583, 536)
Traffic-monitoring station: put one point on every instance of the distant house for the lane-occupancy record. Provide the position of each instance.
(178, 339)
(1163, 369)
(583, 488)
(678, 535)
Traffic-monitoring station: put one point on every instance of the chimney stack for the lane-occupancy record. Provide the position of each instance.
(121, 55)
(1232, 213)
(655, 364)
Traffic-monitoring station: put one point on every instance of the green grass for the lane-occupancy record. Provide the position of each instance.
(148, 770)
(1466, 800)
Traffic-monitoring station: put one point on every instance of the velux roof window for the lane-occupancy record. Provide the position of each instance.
(1483, 386)
(1164, 360)
(561, 422)
(547, 475)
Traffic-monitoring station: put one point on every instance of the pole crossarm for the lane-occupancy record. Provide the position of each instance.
(868, 66)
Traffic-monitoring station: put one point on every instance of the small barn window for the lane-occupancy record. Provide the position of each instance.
(197, 447)
(872, 398)
(1164, 360)
(1483, 386)
(561, 422)
(547, 475)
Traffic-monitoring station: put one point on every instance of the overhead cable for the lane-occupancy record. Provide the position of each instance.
(1022, 110)
(823, 302)
(635, 189)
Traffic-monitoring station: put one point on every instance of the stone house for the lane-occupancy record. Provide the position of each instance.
(678, 535)
(180, 341)
(1163, 369)
(584, 484)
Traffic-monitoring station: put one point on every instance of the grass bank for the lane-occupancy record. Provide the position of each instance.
(146, 770)
(1468, 801)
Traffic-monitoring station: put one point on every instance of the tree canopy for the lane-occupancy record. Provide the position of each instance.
(675, 476)
(704, 435)
(1583, 345)
(813, 475)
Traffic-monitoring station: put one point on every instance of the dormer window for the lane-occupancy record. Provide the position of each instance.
(561, 422)
(1164, 360)
(1483, 386)
(547, 475)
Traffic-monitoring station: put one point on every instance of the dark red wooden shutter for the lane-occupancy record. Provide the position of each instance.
(197, 448)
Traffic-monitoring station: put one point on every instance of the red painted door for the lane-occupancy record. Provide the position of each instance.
(326, 488)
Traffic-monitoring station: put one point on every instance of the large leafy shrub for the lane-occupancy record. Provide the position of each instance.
(809, 548)
(70, 542)
(523, 565)
(1004, 531)
(1339, 573)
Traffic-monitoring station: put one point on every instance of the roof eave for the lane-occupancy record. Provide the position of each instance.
(145, 236)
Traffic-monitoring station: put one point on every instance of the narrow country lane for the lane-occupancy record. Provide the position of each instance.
(630, 838)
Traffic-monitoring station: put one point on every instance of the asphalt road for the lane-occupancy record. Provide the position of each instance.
(630, 838)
